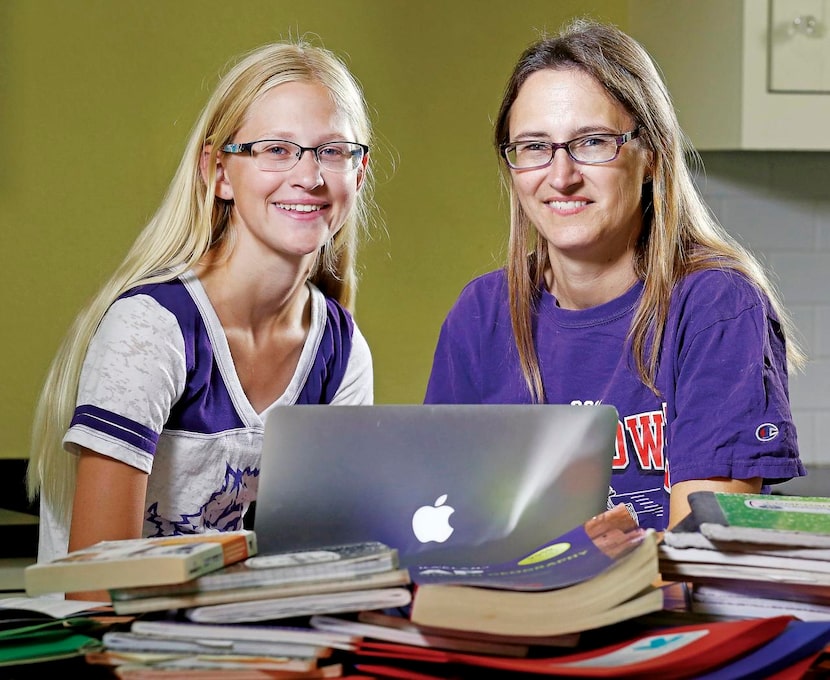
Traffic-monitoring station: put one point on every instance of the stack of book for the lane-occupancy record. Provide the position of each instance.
(374, 644)
(351, 611)
(281, 585)
(752, 555)
(218, 580)
(160, 648)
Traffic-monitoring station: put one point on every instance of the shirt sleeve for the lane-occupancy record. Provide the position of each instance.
(133, 372)
(730, 414)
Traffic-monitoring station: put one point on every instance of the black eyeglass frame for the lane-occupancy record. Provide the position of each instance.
(619, 140)
(247, 147)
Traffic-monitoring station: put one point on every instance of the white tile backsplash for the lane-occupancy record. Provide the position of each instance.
(769, 222)
(778, 205)
(821, 334)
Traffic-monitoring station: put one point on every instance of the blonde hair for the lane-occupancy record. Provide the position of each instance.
(679, 235)
(190, 222)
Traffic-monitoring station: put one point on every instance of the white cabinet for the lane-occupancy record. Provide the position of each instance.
(743, 74)
(799, 46)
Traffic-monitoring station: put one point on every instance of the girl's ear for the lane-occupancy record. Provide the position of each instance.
(222, 187)
(361, 171)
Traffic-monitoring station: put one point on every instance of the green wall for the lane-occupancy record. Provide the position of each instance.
(98, 96)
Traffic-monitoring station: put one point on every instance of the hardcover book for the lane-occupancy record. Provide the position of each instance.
(141, 561)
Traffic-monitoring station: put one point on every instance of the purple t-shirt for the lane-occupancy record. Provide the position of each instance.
(724, 410)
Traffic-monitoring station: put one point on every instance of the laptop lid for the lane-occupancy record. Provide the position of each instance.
(449, 484)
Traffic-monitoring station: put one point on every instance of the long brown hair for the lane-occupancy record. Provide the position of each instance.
(679, 235)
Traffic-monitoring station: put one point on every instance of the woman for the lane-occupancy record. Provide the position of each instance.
(236, 296)
(621, 288)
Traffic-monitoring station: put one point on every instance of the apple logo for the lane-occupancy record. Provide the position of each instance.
(432, 522)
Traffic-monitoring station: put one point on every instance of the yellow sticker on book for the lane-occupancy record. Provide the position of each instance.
(545, 554)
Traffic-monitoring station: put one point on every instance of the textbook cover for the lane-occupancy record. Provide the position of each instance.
(580, 554)
(764, 518)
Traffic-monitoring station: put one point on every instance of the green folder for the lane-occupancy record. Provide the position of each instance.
(48, 641)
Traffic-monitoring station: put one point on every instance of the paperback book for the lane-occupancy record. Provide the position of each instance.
(737, 602)
(755, 608)
(762, 518)
(323, 564)
(687, 534)
(141, 561)
(600, 573)
(407, 633)
(259, 593)
(387, 597)
(783, 575)
(580, 554)
(668, 554)
(128, 641)
(403, 622)
(204, 666)
(744, 589)
(225, 634)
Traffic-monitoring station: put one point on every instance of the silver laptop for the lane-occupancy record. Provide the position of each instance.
(444, 484)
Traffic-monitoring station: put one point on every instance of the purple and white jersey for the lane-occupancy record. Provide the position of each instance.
(724, 407)
(159, 391)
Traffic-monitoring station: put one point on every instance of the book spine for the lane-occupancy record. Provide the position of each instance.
(237, 547)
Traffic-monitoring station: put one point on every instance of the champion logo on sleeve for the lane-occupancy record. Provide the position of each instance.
(766, 432)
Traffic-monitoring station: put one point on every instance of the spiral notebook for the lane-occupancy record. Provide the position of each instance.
(450, 484)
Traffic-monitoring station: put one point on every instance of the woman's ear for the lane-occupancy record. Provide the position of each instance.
(221, 186)
(361, 171)
(649, 175)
